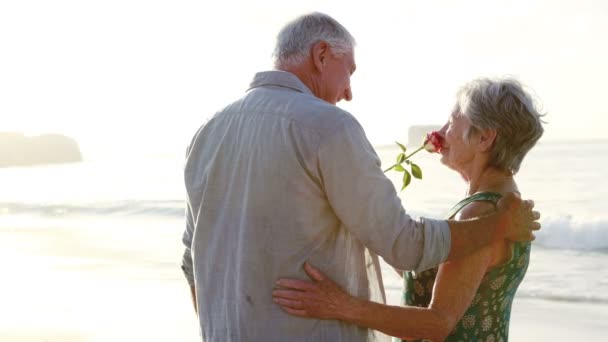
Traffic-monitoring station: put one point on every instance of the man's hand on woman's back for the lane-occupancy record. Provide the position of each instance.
(518, 220)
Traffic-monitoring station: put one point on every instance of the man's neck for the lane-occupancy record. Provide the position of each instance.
(304, 73)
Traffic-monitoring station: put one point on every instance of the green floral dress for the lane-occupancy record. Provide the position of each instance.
(487, 319)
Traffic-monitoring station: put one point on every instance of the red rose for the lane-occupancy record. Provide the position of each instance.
(433, 142)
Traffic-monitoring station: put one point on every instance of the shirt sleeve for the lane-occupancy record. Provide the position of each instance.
(366, 202)
(187, 240)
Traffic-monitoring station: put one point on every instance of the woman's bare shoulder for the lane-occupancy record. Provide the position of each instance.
(497, 252)
(476, 209)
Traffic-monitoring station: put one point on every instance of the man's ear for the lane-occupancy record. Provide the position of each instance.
(486, 139)
(320, 54)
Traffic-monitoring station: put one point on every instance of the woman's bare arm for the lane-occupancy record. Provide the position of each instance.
(324, 299)
(455, 287)
(457, 281)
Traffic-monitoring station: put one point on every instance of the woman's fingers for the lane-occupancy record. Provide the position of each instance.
(321, 298)
(301, 285)
(290, 302)
(293, 304)
(313, 273)
(295, 312)
(291, 294)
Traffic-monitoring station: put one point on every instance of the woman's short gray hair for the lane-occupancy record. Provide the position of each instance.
(503, 105)
(298, 36)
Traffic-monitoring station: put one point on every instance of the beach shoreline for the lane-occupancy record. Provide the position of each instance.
(72, 284)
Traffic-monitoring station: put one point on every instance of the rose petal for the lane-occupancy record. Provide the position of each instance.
(433, 142)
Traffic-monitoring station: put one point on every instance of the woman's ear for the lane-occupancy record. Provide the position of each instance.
(486, 139)
(320, 53)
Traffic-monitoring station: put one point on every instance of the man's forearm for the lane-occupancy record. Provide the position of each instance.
(469, 236)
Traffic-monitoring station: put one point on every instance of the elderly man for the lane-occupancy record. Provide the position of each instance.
(282, 176)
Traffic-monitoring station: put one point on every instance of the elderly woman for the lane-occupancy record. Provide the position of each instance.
(492, 127)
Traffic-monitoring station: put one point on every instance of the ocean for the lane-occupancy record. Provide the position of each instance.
(130, 195)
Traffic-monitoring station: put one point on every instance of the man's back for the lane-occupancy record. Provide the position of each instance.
(258, 210)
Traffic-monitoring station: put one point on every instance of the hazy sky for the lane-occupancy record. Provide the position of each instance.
(147, 73)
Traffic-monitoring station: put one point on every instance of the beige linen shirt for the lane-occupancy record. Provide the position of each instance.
(280, 177)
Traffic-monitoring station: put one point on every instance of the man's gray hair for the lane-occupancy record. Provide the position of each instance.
(295, 40)
(503, 105)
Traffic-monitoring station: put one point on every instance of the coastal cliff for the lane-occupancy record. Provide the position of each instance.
(16, 149)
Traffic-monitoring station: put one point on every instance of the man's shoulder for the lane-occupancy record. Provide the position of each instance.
(323, 116)
(304, 110)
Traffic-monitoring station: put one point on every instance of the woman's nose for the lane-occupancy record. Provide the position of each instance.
(442, 130)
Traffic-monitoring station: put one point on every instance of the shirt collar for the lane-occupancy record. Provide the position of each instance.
(278, 78)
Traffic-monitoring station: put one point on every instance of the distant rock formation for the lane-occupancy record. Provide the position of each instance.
(18, 150)
(417, 134)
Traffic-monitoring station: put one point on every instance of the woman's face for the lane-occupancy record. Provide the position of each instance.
(456, 152)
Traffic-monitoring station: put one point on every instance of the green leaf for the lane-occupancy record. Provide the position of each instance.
(400, 158)
(407, 178)
(401, 146)
(416, 171)
(399, 168)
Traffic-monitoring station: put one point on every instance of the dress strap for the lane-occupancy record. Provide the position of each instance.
(487, 196)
